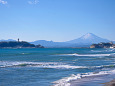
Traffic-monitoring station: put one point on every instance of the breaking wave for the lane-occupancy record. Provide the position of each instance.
(56, 65)
(89, 55)
(66, 80)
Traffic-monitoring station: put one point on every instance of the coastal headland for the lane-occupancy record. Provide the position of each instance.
(103, 45)
(18, 44)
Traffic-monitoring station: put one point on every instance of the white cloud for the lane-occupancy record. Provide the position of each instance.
(3, 2)
(33, 2)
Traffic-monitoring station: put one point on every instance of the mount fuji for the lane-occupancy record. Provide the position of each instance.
(88, 38)
(84, 41)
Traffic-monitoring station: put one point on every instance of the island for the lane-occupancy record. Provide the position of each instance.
(18, 44)
(103, 45)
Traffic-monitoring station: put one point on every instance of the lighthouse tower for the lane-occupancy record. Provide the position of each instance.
(18, 39)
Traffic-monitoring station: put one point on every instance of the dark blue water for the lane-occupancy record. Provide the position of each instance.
(54, 66)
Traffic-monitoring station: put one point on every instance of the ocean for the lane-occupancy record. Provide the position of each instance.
(56, 67)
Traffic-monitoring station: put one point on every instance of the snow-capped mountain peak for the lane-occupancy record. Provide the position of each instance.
(88, 38)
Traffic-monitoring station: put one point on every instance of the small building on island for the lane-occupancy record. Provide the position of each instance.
(18, 40)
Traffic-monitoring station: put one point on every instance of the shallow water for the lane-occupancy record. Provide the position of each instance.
(56, 66)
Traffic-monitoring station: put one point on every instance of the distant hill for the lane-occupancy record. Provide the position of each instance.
(88, 38)
(50, 43)
(113, 42)
(103, 45)
(15, 44)
(84, 41)
(57, 44)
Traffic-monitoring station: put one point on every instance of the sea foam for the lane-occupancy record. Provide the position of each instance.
(66, 81)
(56, 65)
(87, 55)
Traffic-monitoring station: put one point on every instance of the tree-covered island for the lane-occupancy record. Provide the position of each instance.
(18, 44)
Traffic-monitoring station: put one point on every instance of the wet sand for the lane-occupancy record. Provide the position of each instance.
(111, 83)
(99, 80)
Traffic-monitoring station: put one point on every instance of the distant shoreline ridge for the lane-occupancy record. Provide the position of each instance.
(103, 45)
(19, 44)
(84, 41)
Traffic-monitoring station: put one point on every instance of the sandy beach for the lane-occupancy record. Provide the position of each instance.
(98, 80)
(111, 83)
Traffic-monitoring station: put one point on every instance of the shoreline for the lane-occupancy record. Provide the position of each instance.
(110, 83)
(95, 80)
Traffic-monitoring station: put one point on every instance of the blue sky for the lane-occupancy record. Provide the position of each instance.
(57, 20)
